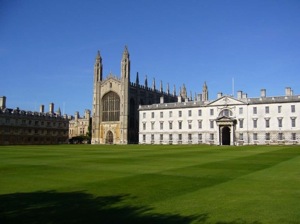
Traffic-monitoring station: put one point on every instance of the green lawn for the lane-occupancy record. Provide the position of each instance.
(150, 184)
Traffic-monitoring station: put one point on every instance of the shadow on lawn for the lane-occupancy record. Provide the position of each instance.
(79, 207)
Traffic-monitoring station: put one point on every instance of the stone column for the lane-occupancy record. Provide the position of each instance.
(232, 135)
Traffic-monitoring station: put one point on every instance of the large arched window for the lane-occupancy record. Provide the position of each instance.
(111, 107)
(225, 113)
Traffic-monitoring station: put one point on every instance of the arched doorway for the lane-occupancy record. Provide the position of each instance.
(109, 138)
(226, 135)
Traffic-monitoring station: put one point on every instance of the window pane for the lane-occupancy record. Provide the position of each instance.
(254, 110)
(199, 112)
(293, 108)
(267, 110)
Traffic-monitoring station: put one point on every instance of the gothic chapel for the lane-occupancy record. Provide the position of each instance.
(115, 116)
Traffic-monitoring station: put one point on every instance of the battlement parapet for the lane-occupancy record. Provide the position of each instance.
(23, 113)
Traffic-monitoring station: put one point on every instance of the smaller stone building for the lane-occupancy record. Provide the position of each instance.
(20, 127)
(80, 126)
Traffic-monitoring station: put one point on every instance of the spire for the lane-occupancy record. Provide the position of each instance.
(204, 92)
(168, 89)
(98, 57)
(204, 86)
(125, 65)
(146, 82)
(137, 81)
(125, 53)
(161, 86)
(183, 92)
(174, 91)
(153, 86)
(98, 68)
(58, 112)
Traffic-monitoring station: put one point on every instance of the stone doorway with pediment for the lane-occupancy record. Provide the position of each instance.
(226, 126)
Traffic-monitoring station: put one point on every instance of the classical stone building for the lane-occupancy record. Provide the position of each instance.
(116, 101)
(26, 127)
(80, 126)
(224, 121)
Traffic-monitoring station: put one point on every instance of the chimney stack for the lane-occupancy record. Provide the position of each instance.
(51, 108)
(199, 97)
(263, 93)
(161, 99)
(76, 115)
(244, 96)
(288, 91)
(2, 102)
(87, 114)
(42, 108)
(179, 99)
(239, 94)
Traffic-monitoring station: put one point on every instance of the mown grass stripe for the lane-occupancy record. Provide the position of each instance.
(221, 184)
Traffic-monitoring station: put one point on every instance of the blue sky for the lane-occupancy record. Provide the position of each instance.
(48, 48)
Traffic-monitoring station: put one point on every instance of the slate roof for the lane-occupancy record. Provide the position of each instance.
(250, 101)
(275, 99)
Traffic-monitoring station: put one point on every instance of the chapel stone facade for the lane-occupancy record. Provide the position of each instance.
(115, 116)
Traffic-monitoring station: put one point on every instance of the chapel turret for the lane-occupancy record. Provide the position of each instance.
(98, 68)
(125, 65)
(204, 92)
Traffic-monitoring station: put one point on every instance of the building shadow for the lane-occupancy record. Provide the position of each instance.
(78, 207)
